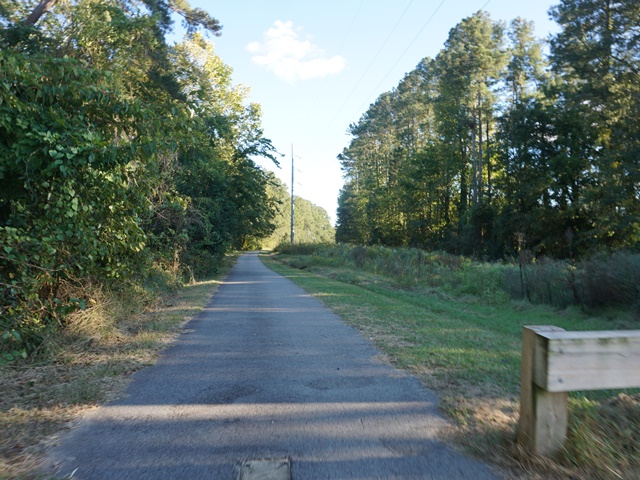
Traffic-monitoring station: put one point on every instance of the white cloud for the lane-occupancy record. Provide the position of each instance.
(290, 57)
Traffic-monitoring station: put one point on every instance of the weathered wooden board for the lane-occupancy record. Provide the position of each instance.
(570, 361)
(543, 415)
(555, 362)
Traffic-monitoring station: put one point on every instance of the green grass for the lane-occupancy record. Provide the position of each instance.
(468, 349)
(602, 281)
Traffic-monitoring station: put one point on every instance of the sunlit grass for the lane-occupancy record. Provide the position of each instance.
(468, 349)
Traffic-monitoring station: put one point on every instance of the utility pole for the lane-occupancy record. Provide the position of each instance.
(292, 202)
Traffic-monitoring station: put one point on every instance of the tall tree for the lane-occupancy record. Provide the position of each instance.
(352, 225)
(470, 64)
(117, 153)
(523, 143)
(526, 67)
(597, 55)
(487, 149)
(193, 17)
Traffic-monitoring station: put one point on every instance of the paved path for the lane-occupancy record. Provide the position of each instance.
(266, 372)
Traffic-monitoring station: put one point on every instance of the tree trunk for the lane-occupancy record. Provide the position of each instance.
(43, 7)
(479, 181)
(474, 160)
(464, 193)
(489, 166)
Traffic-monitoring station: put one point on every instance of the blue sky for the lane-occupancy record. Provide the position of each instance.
(316, 66)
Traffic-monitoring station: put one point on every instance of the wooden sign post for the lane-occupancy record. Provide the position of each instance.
(555, 362)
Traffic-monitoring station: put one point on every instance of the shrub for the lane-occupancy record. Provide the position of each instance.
(287, 248)
(611, 280)
(550, 282)
(604, 280)
(359, 255)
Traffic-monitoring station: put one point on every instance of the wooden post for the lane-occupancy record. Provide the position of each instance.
(555, 362)
(543, 415)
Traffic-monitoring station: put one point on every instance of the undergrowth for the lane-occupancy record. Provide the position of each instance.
(457, 324)
(87, 360)
(600, 282)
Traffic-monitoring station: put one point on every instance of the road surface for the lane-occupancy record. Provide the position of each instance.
(266, 383)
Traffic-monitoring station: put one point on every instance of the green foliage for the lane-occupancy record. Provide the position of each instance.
(352, 221)
(229, 203)
(612, 280)
(486, 150)
(408, 267)
(597, 282)
(312, 224)
(68, 205)
(118, 154)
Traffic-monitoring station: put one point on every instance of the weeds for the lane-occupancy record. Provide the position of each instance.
(606, 436)
(602, 281)
(457, 325)
(88, 360)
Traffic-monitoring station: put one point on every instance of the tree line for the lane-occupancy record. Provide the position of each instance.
(494, 147)
(120, 155)
(311, 222)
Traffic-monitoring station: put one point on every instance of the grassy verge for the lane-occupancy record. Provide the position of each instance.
(87, 363)
(467, 348)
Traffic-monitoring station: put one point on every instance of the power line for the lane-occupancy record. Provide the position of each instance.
(344, 41)
(405, 51)
(353, 21)
(371, 63)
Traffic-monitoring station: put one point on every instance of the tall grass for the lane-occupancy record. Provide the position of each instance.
(605, 280)
(450, 321)
(605, 436)
(87, 359)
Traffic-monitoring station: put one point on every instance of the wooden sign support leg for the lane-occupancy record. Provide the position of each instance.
(543, 415)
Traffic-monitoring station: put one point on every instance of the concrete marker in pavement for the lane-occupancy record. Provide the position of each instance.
(265, 470)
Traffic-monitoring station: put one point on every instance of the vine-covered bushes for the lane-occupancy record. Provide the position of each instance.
(120, 155)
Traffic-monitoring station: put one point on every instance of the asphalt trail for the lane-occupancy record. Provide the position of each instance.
(266, 372)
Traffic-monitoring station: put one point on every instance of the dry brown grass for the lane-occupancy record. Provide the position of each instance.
(87, 363)
(603, 437)
(427, 331)
(486, 426)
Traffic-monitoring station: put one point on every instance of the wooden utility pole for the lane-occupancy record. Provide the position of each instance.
(292, 201)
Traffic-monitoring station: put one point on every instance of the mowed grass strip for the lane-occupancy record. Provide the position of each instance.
(469, 351)
(88, 363)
